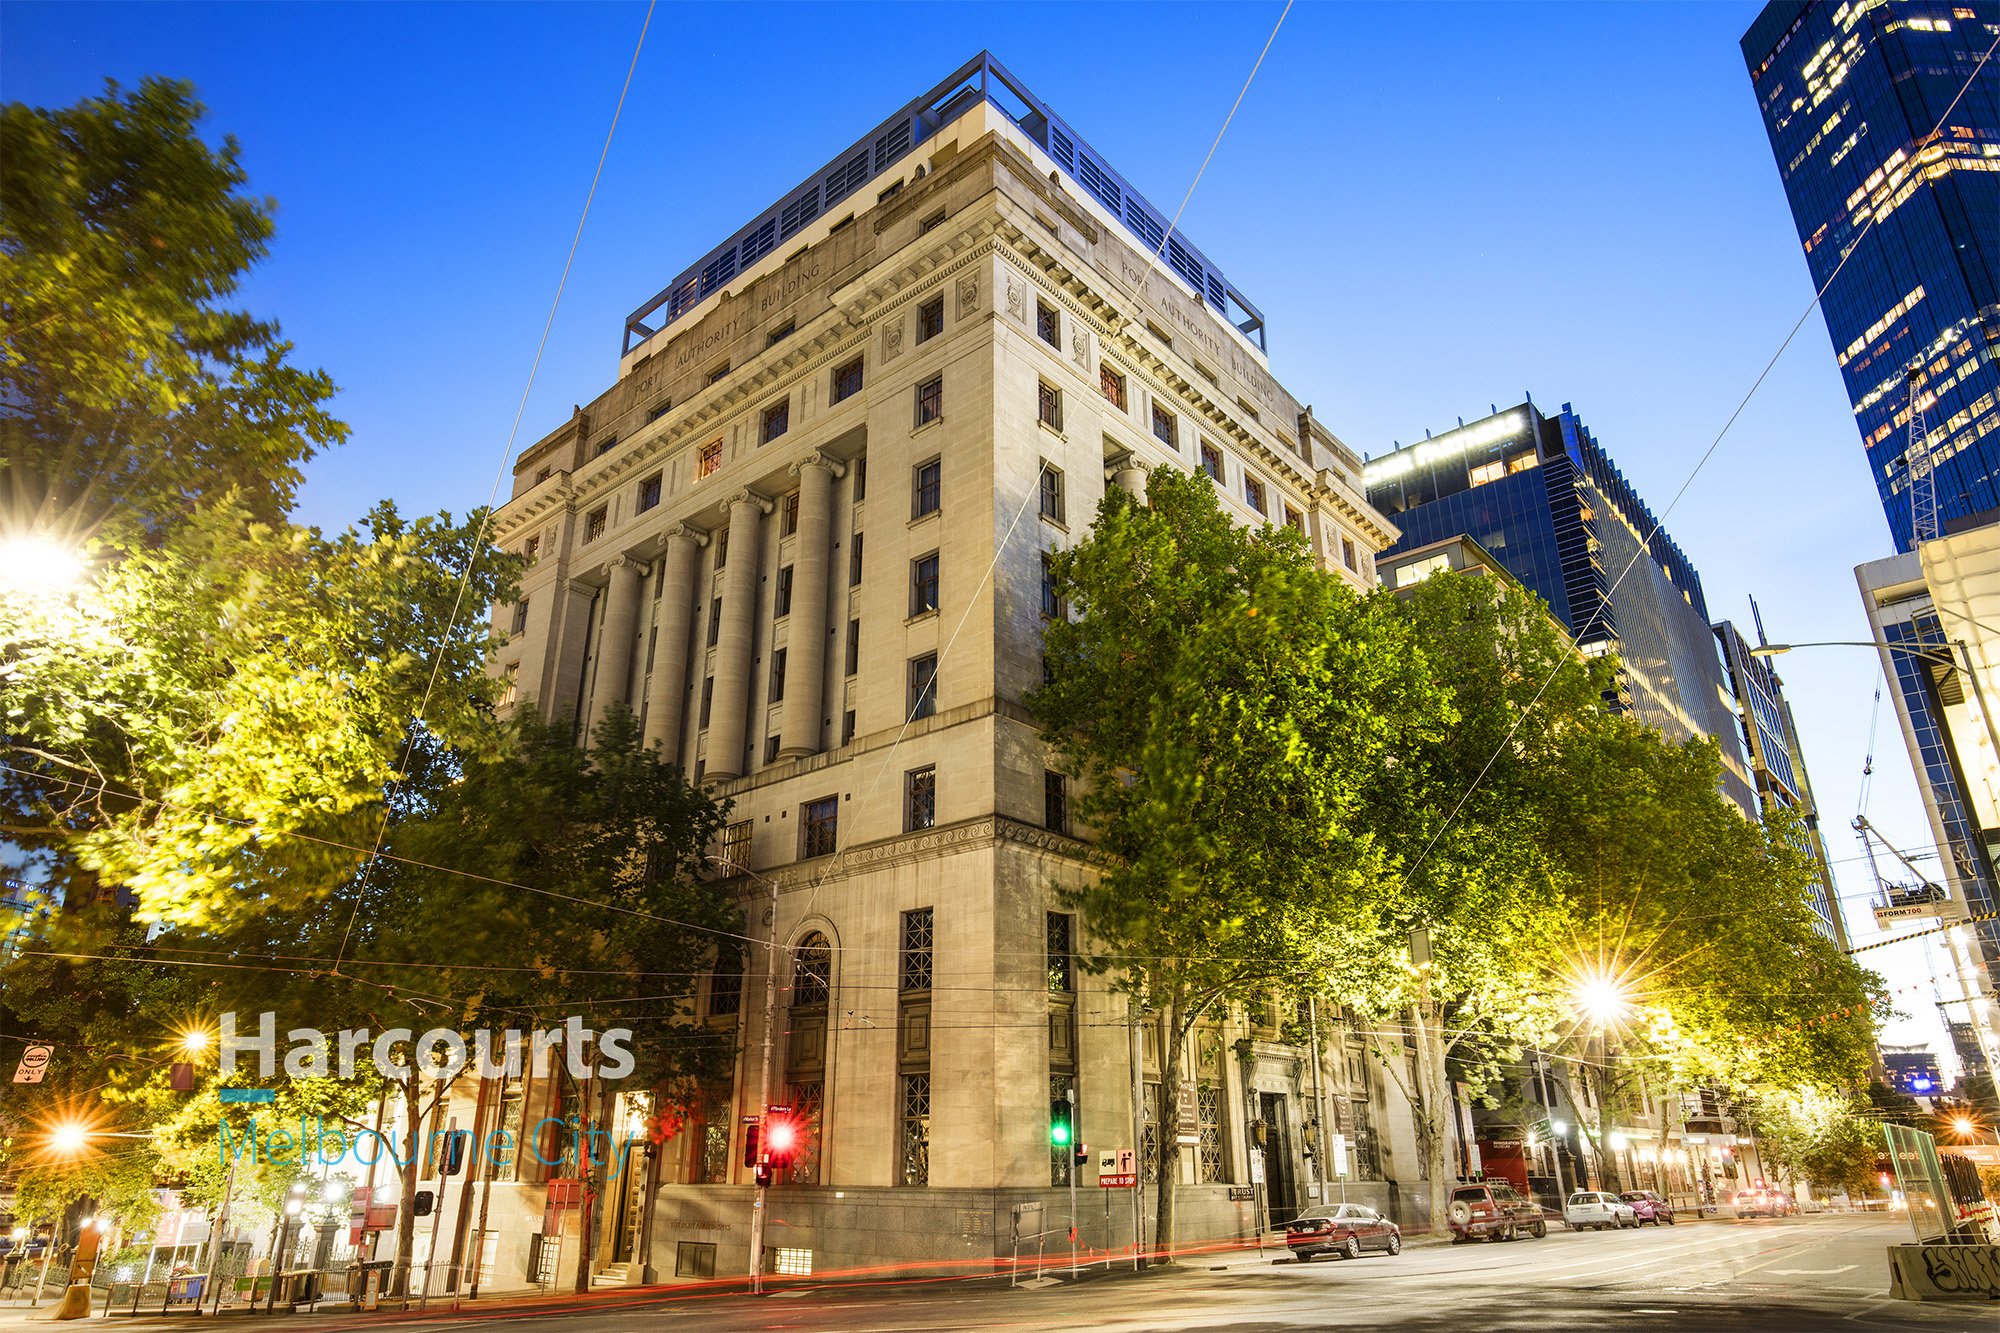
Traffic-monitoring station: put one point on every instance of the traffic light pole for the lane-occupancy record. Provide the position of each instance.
(1075, 1169)
(757, 1207)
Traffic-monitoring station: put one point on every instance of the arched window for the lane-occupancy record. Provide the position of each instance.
(812, 970)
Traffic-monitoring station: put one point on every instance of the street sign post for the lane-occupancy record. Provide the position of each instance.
(1117, 1169)
(1187, 1117)
(34, 1063)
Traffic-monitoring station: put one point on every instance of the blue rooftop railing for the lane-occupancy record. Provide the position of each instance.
(983, 79)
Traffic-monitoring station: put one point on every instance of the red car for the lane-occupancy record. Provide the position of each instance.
(1345, 1229)
(1649, 1206)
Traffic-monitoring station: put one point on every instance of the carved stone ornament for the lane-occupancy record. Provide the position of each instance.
(968, 294)
(1079, 345)
(1014, 298)
(892, 339)
(819, 460)
(693, 534)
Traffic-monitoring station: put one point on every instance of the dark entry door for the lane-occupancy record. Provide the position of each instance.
(1279, 1183)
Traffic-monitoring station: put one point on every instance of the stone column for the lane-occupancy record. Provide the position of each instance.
(805, 668)
(731, 703)
(614, 643)
(1129, 473)
(666, 697)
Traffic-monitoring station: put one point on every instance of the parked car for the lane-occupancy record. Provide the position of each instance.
(1649, 1207)
(1594, 1210)
(1495, 1211)
(1345, 1229)
(1763, 1203)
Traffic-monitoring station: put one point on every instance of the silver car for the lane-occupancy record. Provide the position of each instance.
(1589, 1210)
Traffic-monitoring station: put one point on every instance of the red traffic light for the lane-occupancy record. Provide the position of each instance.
(783, 1137)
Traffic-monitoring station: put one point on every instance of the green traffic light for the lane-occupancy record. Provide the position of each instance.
(1059, 1134)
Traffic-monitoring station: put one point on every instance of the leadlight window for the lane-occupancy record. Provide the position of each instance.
(1211, 462)
(920, 799)
(926, 488)
(1047, 326)
(924, 584)
(1253, 494)
(847, 380)
(1165, 428)
(923, 686)
(1347, 556)
(812, 970)
(521, 616)
(510, 684)
(930, 320)
(930, 401)
(709, 459)
(1062, 951)
(594, 524)
(822, 826)
(934, 220)
(1112, 385)
(1048, 406)
(916, 1126)
(1149, 1147)
(916, 969)
(1052, 602)
(649, 493)
(1052, 493)
(1214, 1164)
(806, 1101)
(736, 845)
(777, 420)
(1055, 801)
(725, 987)
(531, 550)
(1295, 520)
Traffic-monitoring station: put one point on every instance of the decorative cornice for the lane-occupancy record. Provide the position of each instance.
(947, 840)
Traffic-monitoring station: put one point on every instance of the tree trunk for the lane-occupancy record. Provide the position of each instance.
(592, 1175)
(1434, 1127)
(406, 1172)
(1606, 1160)
(1168, 1176)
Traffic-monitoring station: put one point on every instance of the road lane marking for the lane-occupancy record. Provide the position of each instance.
(1827, 1272)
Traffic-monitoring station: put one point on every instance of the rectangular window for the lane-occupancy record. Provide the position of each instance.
(1047, 326)
(1486, 472)
(930, 320)
(1211, 462)
(1052, 602)
(847, 727)
(791, 514)
(1048, 406)
(521, 616)
(916, 1135)
(1062, 1156)
(853, 647)
(771, 747)
(934, 220)
(649, 493)
(736, 844)
(926, 488)
(594, 523)
(708, 460)
(919, 799)
(725, 986)
(1214, 1162)
(777, 420)
(1295, 520)
(716, 375)
(721, 547)
(847, 380)
(923, 686)
(1165, 429)
(854, 562)
(1253, 493)
(781, 598)
(510, 681)
(1347, 556)
(531, 550)
(778, 676)
(1112, 385)
(930, 401)
(915, 973)
(607, 445)
(1055, 801)
(924, 584)
(1062, 952)
(779, 334)
(821, 823)
(659, 411)
(714, 621)
(861, 479)
(1052, 493)
(707, 699)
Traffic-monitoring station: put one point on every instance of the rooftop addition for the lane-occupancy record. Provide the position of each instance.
(983, 79)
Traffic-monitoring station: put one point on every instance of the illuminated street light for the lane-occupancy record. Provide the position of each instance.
(1603, 999)
(334, 1192)
(36, 564)
(195, 1041)
(69, 1138)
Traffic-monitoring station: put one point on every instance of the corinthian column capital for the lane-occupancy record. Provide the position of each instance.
(693, 534)
(819, 459)
(747, 496)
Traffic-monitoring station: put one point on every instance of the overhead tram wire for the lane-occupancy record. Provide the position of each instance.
(842, 845)
(500, 473)
(1645, 545)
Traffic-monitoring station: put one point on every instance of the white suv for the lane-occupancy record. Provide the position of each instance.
(1589, 1209)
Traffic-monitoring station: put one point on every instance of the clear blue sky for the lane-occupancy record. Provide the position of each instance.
(1437, 207)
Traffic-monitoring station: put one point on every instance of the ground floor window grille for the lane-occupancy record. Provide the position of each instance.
(1214, 1165)
(1062, 1156)
(1149, 1154)
(793, 1263)
(1367, 1160)
(916, 1129)
(806, 1100)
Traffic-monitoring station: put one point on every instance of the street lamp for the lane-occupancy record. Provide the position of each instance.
(37, 565)
(69, 1138)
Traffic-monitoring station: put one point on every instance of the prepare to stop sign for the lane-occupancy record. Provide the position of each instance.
(1116, 1169)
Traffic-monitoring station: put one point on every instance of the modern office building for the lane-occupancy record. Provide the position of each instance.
(1539, 495)
(1892, 166)
(1771, 743)
(805, 537)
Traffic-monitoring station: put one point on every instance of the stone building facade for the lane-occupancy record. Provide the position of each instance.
(803, 537)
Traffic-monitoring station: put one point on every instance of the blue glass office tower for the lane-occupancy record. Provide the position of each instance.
(1898, 209)
(1543, 498)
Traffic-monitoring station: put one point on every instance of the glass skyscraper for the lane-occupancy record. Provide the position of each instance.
(1540, 495)
(1898, 208)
